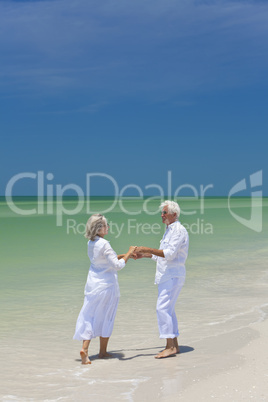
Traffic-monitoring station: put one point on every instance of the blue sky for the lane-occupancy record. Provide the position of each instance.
(134, 89)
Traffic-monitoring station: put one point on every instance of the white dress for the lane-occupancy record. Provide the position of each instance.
(97, 315)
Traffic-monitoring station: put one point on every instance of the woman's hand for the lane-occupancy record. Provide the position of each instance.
(130, 253)
(132, 250)
(134, 254)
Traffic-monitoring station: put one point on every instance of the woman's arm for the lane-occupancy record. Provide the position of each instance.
(120, 256)
(113, 259)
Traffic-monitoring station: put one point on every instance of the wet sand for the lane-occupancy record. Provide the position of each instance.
(228, 366)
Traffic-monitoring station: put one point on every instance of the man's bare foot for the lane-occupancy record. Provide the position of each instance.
(104, 355)
(166, 353)
(177, 349)
(84, 357)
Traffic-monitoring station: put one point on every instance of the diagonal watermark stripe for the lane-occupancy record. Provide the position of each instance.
(255, 221)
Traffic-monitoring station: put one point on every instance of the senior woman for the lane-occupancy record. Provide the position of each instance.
(97, 315)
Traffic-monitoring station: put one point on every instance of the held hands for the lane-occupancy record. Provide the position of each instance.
(131, 250)
(137, 252)
(141, 250)
(132, 253)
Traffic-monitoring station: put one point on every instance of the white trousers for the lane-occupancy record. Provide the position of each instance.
(168, 293)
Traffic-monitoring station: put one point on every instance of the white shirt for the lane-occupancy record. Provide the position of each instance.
(104, 266)
(174, 244)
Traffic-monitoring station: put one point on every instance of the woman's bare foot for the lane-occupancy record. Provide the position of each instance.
(175, 340)
(104, 355)
(166, 353)
(84, 357)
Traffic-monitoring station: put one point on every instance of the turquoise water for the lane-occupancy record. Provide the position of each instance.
(44, 267)
(41, 260)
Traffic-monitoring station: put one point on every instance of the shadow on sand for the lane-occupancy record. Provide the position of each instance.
(183, 349)
(120, 355)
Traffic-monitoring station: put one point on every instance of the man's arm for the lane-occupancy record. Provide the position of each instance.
(148, 252)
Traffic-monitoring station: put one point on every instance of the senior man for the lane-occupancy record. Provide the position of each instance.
(170, 274)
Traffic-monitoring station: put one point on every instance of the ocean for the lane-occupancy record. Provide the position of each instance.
(44, 266)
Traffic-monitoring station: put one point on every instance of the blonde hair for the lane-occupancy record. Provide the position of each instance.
(94, 225)
(173, 207)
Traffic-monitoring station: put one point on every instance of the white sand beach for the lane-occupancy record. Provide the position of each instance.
(231, 366)
(237, 368)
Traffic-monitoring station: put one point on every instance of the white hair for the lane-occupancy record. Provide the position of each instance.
(94, 225)
(173, 207)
